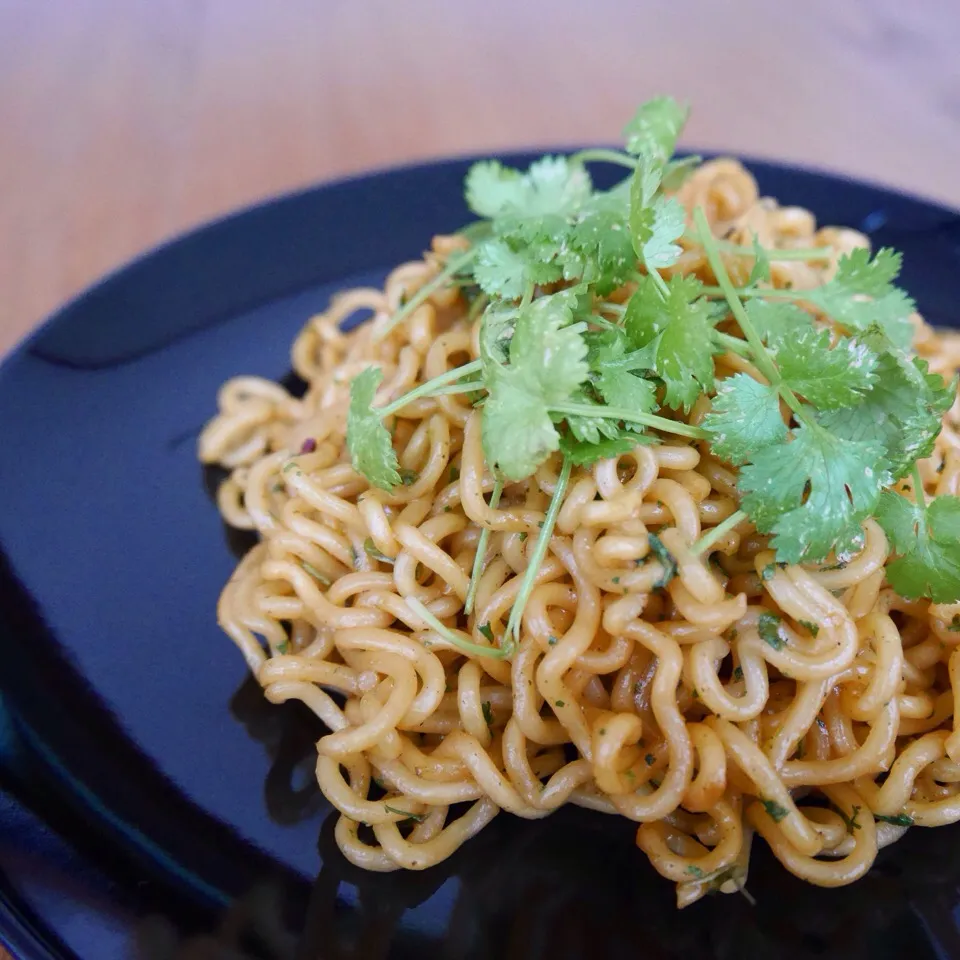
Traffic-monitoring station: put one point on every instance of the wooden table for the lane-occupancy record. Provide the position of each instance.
(126, 121)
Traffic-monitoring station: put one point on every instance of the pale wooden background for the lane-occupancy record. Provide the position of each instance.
(123, 122)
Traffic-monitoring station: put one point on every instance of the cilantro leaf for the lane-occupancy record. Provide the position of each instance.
(599, 247)
(548, 349)
(550, 185)
(813, 493)
(621, 388)
(678, 332)
(655, 228)
(582, 453)
(828, 377)
(492, 189)
(613, 374)
(903, 411)
(368, 440)
(518, 434)
(927, 539)
(502, 271)
(857, 277)
(745, 419)
(655, 127)
(774, 319)
(547, 363)
(655, 220)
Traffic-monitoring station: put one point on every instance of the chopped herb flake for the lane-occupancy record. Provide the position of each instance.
(315, 573)
(899, 820)
(776, 812)
(419, 817)
(666, 558)
(768, 627)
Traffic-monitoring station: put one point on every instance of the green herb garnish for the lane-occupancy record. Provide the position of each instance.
(315, 573)
(666, 558)
(775, 810)
(487, 712)
(843, 413)
(899, 820)
(371, 550)
(419, 817)
(768, 626)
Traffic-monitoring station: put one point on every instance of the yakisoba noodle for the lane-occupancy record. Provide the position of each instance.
(679, 715)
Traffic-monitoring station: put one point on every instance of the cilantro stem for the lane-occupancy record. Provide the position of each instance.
(536, 558)
(733, 344)
(605, 156)
(453, 639)
(455, 388)
(773, 253)
(748, 292)
(481, 551)
(715, 533)
(428, 289)
(918, 487)
(630, 416)
(477, 307)
(428, 388)
(761, 357)
(659, 282)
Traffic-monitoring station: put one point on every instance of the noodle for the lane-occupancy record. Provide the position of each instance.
(629, 692)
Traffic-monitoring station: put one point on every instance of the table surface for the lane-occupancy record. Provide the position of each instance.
(125, 123)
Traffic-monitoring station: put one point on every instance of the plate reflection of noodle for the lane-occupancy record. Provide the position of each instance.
(659, 703)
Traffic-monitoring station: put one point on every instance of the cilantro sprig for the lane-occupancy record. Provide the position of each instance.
(590, 344)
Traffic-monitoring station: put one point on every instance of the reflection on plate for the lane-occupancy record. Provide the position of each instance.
(182, 805)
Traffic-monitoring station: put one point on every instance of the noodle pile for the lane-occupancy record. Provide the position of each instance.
(630, 692)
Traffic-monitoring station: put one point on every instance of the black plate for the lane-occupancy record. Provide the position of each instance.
(152, 796)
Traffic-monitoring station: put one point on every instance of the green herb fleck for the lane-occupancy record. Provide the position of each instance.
(488, 712)
(371, 549)
(486, 630)
(650, 759)
(899, 820)
(695, 871)
(768, 627)
(315, 573)
(560, 703)
(419, 817)
(666, 558)
(776, 812)
(812, 628)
